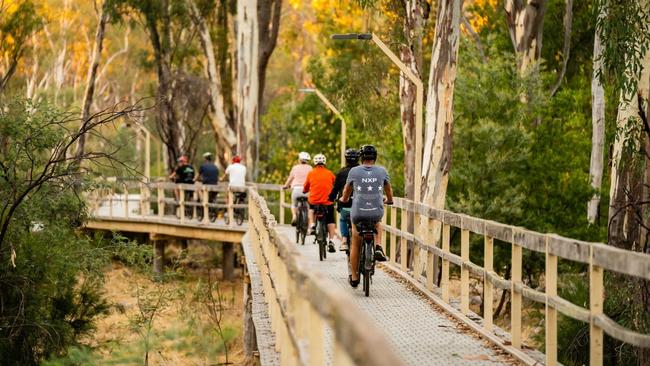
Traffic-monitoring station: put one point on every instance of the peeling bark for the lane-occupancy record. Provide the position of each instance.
(417, 12)
(247, 78)
(598, 132)
(436, 161)
(219, 117)
(525, 19)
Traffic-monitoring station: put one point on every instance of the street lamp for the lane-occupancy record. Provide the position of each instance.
(419, 98)
(336, 112)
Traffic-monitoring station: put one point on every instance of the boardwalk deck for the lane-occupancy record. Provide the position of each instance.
(420, 334)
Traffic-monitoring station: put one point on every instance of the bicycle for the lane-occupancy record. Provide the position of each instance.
(366, 266)
(301, 220)
(212, 211)
(237, 212)
(320, 213)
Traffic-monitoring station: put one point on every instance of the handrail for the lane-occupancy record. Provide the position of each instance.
(420, 251)
(301, 303)
(430, 243)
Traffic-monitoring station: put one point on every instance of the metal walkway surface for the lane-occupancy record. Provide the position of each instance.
(420, 334)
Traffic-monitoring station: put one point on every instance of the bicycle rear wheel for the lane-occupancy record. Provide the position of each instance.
(366, 283)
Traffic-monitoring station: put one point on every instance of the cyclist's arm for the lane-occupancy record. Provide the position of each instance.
(289, 180)
(388, 189)
(339, 184)
(305, 188)
(347, 192)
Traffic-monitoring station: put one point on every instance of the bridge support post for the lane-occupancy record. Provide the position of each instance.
(228, 259)
(159, 256)
(249, 338)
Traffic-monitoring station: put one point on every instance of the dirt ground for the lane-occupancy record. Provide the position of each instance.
(182, 331)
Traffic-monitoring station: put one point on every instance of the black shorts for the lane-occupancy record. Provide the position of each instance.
(329, 212)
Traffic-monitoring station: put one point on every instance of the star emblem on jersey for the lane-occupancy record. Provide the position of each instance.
(370, 188)
(358, 188)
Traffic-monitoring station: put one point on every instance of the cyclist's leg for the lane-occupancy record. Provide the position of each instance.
(310, 219)
(354, 253)
(379, 250)
(294, 205)
(344, 216)
(331, 227)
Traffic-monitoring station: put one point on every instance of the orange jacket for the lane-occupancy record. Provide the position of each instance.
(319, 184)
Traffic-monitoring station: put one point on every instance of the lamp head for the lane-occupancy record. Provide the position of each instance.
(357, 36)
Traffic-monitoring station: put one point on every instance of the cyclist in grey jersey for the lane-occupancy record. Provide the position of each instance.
(369, 183)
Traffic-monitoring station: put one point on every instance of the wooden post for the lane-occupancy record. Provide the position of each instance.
(206, 210)
(551, 313)
(393, 237)
(126, 201)
(110, 202)
(281, 206)
(194, 199)
(231, 219)
(430, 257)
(488, 288)
(383, 225)
(444, 281)
(228, 261)
(596, 299)
(161, 201)
(464, 272)
(158, 256)
(181, 203)
(403, 247)
(515, 305)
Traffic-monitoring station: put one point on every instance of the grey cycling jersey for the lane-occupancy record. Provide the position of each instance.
(368, 185)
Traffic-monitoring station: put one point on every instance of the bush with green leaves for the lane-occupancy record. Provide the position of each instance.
(50, 271)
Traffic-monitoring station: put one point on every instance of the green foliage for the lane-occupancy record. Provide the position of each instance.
(625, 35)
(50, 273)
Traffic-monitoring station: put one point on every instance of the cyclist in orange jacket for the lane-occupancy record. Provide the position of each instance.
(319, 183)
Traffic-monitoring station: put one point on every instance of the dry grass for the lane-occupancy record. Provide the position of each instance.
(182, 332)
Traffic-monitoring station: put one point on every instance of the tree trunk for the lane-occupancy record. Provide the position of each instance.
(219, 117)
(166, 121)
(247, 79)
(90, 83)
(598, 131)
(525, 21)
(268, 15)
(436, 161)
(622, 175)
(411, 55)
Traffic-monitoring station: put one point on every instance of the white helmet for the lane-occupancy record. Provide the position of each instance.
(304, 156)
(319, 159)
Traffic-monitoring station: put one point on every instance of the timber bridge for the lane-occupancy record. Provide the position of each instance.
(423, 304)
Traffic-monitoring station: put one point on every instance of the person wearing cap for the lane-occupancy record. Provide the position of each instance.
(184, 172)
(236, 173)
(296, 181)
(209, 175)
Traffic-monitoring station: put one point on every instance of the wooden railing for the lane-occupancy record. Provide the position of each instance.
(155, 199)
(424, 253)
(301, 303)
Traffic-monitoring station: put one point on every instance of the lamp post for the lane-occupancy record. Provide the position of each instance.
(336, 112)
(419, 99)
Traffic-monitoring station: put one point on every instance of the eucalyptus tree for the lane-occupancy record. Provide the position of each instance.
(18, 21)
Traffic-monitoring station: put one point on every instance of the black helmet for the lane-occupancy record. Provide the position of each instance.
(352, 156)
(368, 152)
